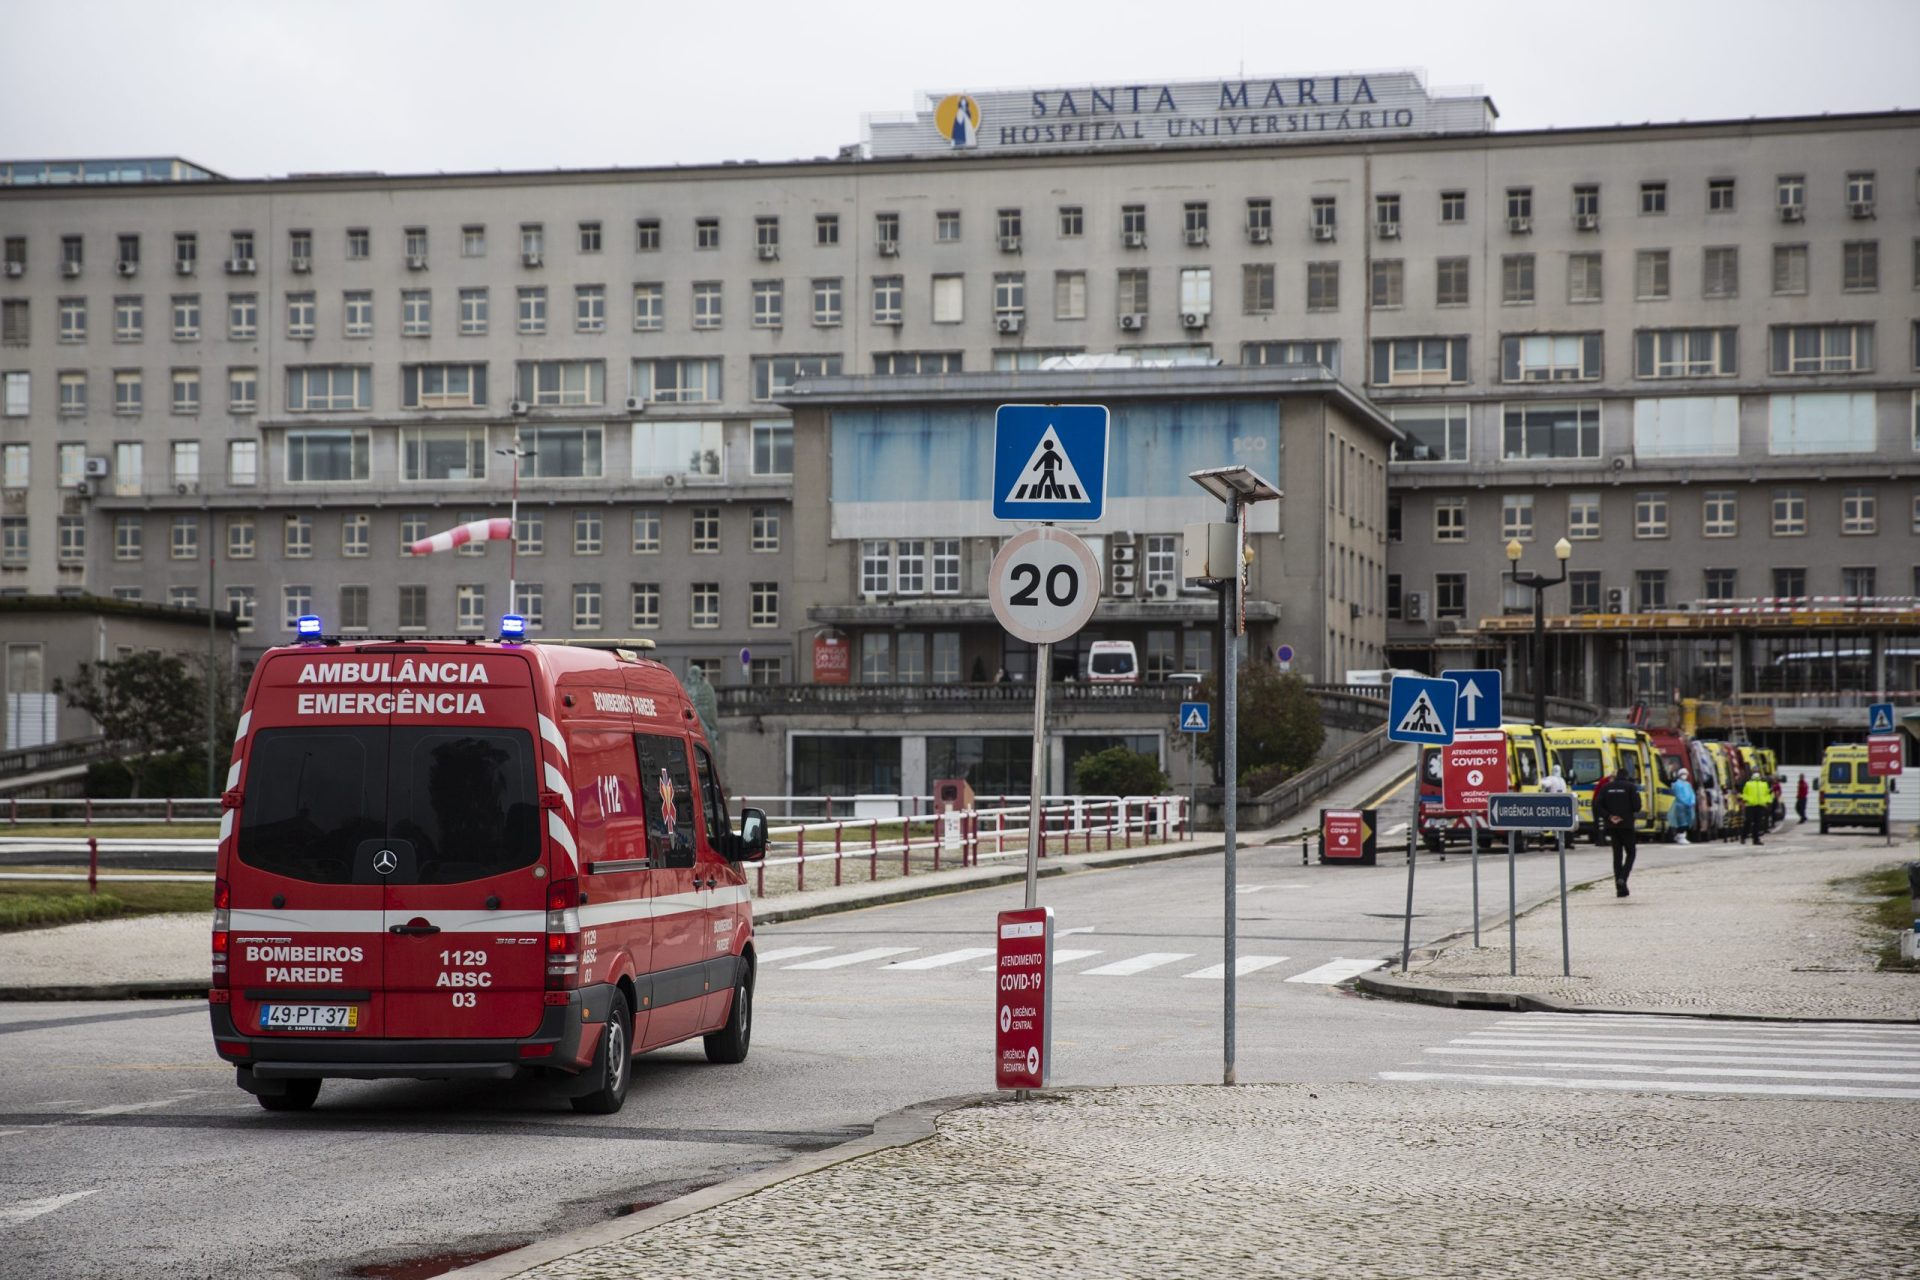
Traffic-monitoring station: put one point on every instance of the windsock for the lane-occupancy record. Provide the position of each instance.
(496, 530)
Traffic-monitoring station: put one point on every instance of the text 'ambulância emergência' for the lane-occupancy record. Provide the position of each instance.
(402, 701)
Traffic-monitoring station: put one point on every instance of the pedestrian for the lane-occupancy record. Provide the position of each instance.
(1553, 784)
(1800, 799)
(1616, 802)
(1757, 798)
(1777, 811)
(1680, 816)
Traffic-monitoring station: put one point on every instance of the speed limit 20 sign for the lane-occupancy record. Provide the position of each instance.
(1044, 585)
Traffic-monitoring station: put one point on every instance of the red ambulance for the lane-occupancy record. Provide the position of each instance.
(448, 860)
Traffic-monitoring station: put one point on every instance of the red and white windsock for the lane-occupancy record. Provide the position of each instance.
(496, 530)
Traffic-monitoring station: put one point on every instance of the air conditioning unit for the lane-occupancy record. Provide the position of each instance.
(1121, 553)
(636, 404)
(1133, 320)
(185, 487)
(1449, 626)
(1133, 239)
(1123, 589)
(1260, 235)
(240, 266)
(1793, 213)
(183, 266)
(1388, 230)
(1520, 226)
(1860, 208)
(416, 262)
(1194, 319)
(70, 269)
(1622, 461)
(1416, 608)
(529, 259)
(889, 248)
(125, 268)
(1616, 600)
(1586, 222)
(1009, 244)
(1164, 591)
(83, 488)
(1009, 324)
(1197, 236)
(518, 408)
(16, 269)
(769, 252)
(94, 468)
(1323, 231)
(301, 266)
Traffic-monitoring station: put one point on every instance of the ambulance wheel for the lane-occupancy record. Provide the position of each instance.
(729, 1044)
(613, 1064)
(299, 1096)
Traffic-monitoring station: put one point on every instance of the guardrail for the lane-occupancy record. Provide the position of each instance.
(55, 755)
(85, 813)
(771, 699)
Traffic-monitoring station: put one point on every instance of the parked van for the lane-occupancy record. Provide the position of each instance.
(1588, 754)
(1676, 751)
(1730, 772)
(1849, 795)
(445, 860)
(1526, 756)
(1113, 662)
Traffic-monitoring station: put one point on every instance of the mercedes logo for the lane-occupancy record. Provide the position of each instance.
(384, 862)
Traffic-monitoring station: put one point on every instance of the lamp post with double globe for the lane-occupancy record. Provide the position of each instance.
(1563, 550)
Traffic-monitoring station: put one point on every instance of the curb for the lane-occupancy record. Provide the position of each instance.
(159, 989)
(895, 1129)
(1392, 988)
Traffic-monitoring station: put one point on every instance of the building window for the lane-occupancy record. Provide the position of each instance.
(773, 447)
(1649, 589)
(72, 540)
(1583, 277)
(1256, 288)
(1859, 511)
(357, 313)
(129, 319)
(533, 242)
(587, 533)
(1516, 278)
(1304, 354)
(1718, 584)
(1449, 519)
(561, 452)
(1789, 513)
(1389, 282)
(129, 532)
(416, 313)
(1556, 432)
(16, 322)
(946, 226)
(1449, 595)
(128, 393)
(243, 316)
(1072, 221)
(646, 531)
(1583, 591)
(1010, 295)
(1721, 272)
(1860, 191)
(1858, 581)
(1419, 362)
(776, 376)
(473, 241)
(1790, 584)
(917, 362)
(297, 537)
(1860, 266)
(876, 567)
(646, 606)
(416, 244)
(300, 315)
(646, 235)
(945, 557)
(949, 299)
(329, 388)
(413, 608)
(1323, 286)
(769, 304)
(1435, 433)
(356, 535)
(705, 601)
(243, 463)
(706, 529)
(186, 391)
(1516, 517)
(826, 230)
(530, 602)
(1550, 357)
(1069, 295)
(1386, 215)
(359, 244)
(296, 602)
(827, 302)
(1396, 600)
(1323, 216)
(186, 317)
(1583, 516)
(1453, 207)
(886, 231)
(1822, 348)
(1652, 275)
(1650, 515)
(764, 609)
(470, 608)
(1133, 226)
(530, 533)
(413, 527)
(1133, 295)
(473, 312)
(560, 382)
(1789, 268)
(1008, 223)
(1684, 353)
(243, 389)
(1519, 208)
(707, 313)
(586, 606)
(73, 393)
(590, 237)
(888, 299)
(765, 530)
(589, 308)
(1720, 513)
(1653, 198)
(533, 309)
(1450, 282)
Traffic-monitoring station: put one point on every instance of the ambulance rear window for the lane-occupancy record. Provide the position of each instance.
(312, 795)
(466, 798)
(1839, 773)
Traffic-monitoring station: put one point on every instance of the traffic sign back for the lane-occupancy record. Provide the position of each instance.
(1195, 717)
(1880, 717)
(1480, 696)
(1050, 462)
(1421, 710)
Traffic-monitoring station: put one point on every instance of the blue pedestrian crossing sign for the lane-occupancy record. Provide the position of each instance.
(1479, 698)
(1050, 462)
(1880, 717)
(1196, 717)
(1421, 710)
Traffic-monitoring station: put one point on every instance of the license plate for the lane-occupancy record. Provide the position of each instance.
(309, 1017)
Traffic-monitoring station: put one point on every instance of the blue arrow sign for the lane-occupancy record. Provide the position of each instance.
(1479, 698)
(1196, 717)
(1880, 717)
(1421, 710)
(1050, 462)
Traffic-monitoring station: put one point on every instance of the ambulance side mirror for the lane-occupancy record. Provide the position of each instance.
(751, 844)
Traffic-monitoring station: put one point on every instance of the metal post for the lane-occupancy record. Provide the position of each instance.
(213, 780)
(1230, 752)
(513, 531)
(1540, 656)
(1473, 843)
(1566, 955)
(1406, 935)
(1037, 787)
(1513, 907)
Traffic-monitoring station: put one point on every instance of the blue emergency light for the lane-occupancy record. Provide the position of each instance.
(513, 628)
(308, 625)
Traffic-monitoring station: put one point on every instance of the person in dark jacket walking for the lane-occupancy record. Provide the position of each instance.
(1615, 803)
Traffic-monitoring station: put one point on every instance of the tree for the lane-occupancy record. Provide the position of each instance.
(146, 704)
(1279, 721)
(1119, 772)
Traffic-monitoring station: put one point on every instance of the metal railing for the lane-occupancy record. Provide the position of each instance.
(765, 699)
(87, 812)
(56, 755)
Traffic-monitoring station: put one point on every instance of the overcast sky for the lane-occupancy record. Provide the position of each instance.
(258, 87)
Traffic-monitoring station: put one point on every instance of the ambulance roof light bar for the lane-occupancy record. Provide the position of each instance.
(308, 628)
(513, 629)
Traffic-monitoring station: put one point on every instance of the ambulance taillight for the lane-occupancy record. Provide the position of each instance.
(222, 929)
(563, 935)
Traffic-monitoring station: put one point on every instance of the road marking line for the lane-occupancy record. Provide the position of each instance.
(1251, 888)
(1647, 1055)
(1065, 955)
(1625, 1022)
(1653, 1042)
(1136, 964)
(787, 953)
(26, 1210)
(121, 1108)
(1085, 928)
(1888, 1077)
(1241, 965)
(1337, 971)
(943, 959)
(852, 957)
(1658, 1086)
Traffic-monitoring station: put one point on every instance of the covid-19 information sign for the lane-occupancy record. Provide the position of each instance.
(1023, 999)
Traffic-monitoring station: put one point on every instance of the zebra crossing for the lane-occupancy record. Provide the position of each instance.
(1634, 1053)
(1101, 962)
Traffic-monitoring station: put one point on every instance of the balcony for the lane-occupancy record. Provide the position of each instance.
(938, 610)
(790, 699)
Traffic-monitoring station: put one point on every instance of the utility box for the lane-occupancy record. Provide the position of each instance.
(950, 794)
(1210, 551)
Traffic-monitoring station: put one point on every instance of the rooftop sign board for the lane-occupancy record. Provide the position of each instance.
(1183, 114)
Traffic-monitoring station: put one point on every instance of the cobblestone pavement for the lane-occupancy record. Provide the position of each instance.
(1745, 932)
(1351, 1180)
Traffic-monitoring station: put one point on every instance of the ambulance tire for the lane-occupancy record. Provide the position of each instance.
(730, 1043)
(299, 1096)
(613, 1064)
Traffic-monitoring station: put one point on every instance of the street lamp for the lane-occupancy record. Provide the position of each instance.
(1563, 551)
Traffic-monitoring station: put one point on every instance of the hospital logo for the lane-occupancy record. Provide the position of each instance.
(958, 119)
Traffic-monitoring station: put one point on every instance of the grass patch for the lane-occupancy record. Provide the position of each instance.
(116, 830)
(41, 904)
(1888, 909)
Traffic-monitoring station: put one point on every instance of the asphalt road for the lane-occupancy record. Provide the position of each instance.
(172, 1171)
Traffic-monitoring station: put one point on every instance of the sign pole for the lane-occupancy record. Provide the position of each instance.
(1513, 906)
(1473, 843)
(1230, 751)
(1406, 933)
(1566, 955)
(1036, 791)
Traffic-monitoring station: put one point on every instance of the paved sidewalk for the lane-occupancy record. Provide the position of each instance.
(1746, 933)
